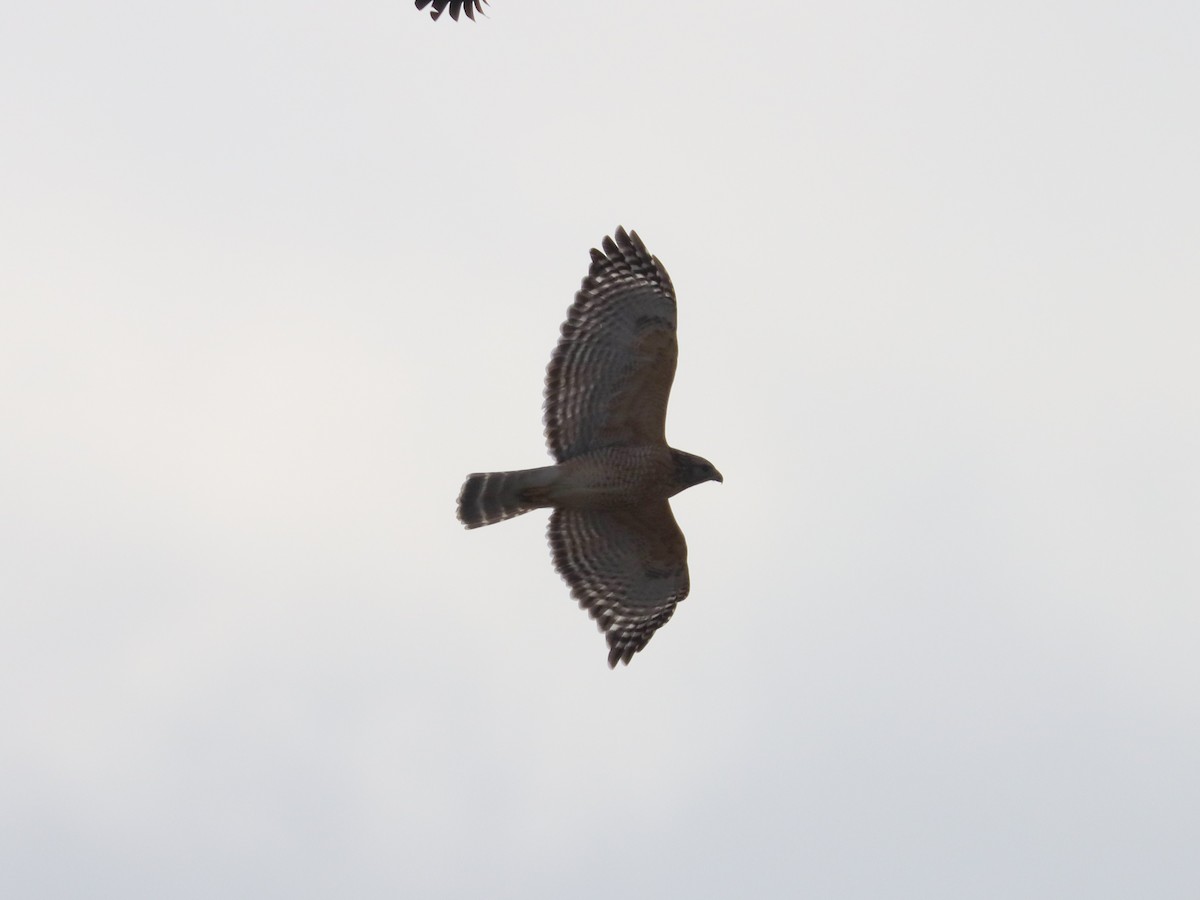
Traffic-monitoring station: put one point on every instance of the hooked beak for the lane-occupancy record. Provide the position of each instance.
(718, 477)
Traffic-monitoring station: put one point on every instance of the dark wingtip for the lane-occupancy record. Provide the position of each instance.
(455, 7)
(637, 243)
(618, 652)
(469, 497)
(617, 247)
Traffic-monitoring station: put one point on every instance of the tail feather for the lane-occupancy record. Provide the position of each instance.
(490, 497)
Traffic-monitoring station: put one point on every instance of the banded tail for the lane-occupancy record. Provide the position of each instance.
(490, 497)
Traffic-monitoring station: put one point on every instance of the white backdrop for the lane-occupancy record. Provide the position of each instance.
(274, 276)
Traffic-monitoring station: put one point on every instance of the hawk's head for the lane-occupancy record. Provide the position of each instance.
(691, 469)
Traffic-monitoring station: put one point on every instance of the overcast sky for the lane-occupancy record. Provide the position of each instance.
(274, 276)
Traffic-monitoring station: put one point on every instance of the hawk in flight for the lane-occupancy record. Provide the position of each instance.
(611, 533)
(456, 6)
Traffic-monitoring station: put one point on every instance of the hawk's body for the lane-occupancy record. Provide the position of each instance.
(612, 533)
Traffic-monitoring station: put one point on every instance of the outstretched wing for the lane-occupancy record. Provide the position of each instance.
(627, 567)
(610, 376)
(456, 6)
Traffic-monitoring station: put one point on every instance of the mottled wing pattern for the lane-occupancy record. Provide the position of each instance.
(610, 376)
(626, 567)
(456, 6)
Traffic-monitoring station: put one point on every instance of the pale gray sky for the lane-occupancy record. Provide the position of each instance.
(274, 276)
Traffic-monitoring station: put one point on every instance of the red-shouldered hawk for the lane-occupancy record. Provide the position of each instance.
(612, 534)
